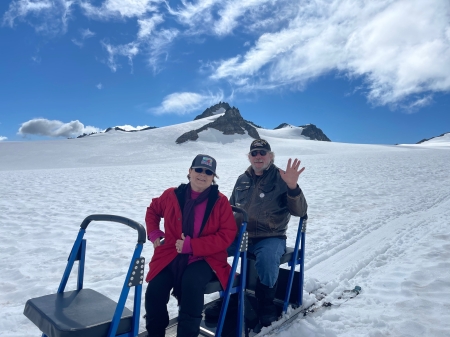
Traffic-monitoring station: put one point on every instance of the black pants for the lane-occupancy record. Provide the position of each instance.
(195, 278)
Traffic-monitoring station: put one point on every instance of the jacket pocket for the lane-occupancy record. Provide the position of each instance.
(267, 192)
(242, 195)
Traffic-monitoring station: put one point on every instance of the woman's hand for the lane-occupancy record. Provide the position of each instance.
(157, 243)
(179, 244)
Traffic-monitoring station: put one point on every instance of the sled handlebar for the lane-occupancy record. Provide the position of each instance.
(240, 210)
(116, 218)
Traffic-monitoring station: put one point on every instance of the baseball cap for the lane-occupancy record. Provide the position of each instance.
(260, 144)
(205, 161)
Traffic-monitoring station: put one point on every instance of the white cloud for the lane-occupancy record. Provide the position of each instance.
(99, 86)
(77, 42)
(85, 34)
(158, 45)
(21, 8)
(400, 48)
(90, 129)
(122, 8)
(3, 138)
(155, 43)
(36, 59)
(182, 103)
(231, 13)
(129, 50)
(54, 128)
(195, 14)
(216, 17)
(45, 16)
(416, 104)
(147, 25)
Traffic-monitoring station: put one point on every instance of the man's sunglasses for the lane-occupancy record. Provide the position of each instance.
(261, 152)
(207, 172)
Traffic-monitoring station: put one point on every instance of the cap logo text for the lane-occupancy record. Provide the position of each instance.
(207, 161)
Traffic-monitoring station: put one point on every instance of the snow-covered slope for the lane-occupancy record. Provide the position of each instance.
(101, 149)
(379, 217)
(443, 140)
(291, 132)
(440, 141)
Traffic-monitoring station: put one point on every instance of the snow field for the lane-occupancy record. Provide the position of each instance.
(379, 217)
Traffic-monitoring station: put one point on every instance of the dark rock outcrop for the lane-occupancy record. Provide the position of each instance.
(117, 129)
(282, 126)
(314, 133)
(211, 111)
(229, 124)
(309, 130)
(85, 135)
(147, 128)
(191, 135)
(253, 124)
(427, 139)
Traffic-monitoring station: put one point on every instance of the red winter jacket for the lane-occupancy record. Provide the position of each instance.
(216, 234)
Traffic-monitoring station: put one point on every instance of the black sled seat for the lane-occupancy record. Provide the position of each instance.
(214, 286)
(86, 312)
(78, 313)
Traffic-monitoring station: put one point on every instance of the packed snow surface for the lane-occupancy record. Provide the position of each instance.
(379, 218)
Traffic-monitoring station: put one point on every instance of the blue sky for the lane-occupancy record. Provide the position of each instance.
(363, 71)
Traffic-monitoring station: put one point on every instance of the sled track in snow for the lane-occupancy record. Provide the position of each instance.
(389, 240)
(362, 256)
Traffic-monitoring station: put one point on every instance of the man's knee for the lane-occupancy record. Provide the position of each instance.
(269, 258)
(267, 264)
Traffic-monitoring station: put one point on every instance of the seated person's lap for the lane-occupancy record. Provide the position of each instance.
(268, 253)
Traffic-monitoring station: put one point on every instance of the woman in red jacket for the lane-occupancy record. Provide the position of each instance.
(198, 228)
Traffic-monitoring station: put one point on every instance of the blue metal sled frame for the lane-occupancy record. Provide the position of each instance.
(241, 253)
(297, 260)
(296, 257)
(134, 277)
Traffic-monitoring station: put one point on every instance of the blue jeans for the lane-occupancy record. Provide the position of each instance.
(268, 254)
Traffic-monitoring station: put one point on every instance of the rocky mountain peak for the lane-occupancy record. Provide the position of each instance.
(229, 124)
(282, 126)
(214, 110)
(314, 133)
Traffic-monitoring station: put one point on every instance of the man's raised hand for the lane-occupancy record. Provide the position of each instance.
(290, 176)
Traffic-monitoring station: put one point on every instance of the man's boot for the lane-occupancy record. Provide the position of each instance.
(267, 311)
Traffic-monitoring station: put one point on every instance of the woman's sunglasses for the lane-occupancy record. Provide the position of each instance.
(207, 172)
(261, 152)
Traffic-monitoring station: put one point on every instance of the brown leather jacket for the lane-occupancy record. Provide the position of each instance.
(268, 202)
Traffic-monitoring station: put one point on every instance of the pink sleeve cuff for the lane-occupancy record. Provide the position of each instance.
(156, 234)
(187, 249)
